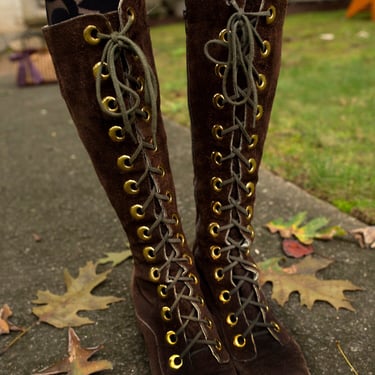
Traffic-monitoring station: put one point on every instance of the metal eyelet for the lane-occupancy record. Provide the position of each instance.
(141, 85)
(181, 237)
(176, 219)
(251, 189)
(217, 208)
(214, 229)
(218, 101)
(260, 111)
(249, 211)
(220, 70)
(217, 132)
(254, 142)
(219, 274)
(101, 68)
(188, 258)
(215, 252)
(90, 35)
(201, 300)
(232, 319)
(251, 232)
(224, 35)
(143, 233)
(218, 345)
(194, 278)
(239, 341)
(154, 274)
(116, 135)
(209, 323)
(123, 162)
(175, 362)
(166, 314)
(131, 188)
(169, 195)
(131, 14)
(136, 212)
(110, 104)
(149, 254)
(171, 338)
(217, 184)
(266, 50)
(225, 296)
(216, 157)
(262, 82)
(162, 291)
(253, 166)
(276, 327)
(161, 171)
(147, 113)
(271, 18)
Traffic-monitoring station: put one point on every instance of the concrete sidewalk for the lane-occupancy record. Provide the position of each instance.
(48, 189)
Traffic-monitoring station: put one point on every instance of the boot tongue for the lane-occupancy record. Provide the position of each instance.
(62, 10)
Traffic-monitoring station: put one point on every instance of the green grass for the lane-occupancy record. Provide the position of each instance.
(322, 130)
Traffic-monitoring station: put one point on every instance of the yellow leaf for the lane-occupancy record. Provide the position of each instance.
(300, 278)
(115, 258)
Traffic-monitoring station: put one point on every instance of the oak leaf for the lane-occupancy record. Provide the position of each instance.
(300, 277)
(115, 258)
(77, 363)
(295, 249)
(61, 310)
(313, 229)
(5, 325)
(365, 236)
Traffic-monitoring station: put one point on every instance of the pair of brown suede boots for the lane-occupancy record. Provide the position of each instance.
(201, 311)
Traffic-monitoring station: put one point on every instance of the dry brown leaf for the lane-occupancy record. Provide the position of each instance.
(61, 310)
(115, 258)
(301, 278)
(77, 362)
(5, 325)
(365, 236)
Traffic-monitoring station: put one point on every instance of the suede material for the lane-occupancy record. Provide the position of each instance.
(74, 59)
(275, 352)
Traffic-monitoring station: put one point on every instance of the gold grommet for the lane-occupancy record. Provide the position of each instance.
(166, 314)
(201, 300)
(181, 237)
(215, 252)
(218, 101)
(143, 233)
(123, 162)
(266, 50)
(217, 208)
(147, 112)
(232, 319)
(98, 69)
(90, 35)
(220, 70)
(218, 345)
(161, 171)
(194, 278)
(249, 211)
(223, 35)
(259, 114)
(162, 291)
(116, 135)
(253, 141)
(154, 274)
(214, 229)
(217, 184)
(219, 274)
(176, 219)
(276, 327)
(224, 296)
(209, 323)
(175, 362)
(217, 132)
(251, 189)
(188, 258)
(131, 14)
(136, 212)
(110, 104)
(271, 18)
(149, 254)
(169, 195)
(251, 232)
(253, 166)
(216, 157)
(262, 82)
(239, 341)
(131, 188)
(141, 85)
(171, 338)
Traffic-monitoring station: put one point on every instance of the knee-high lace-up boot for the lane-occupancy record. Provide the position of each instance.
(106, 72)
(233, 50)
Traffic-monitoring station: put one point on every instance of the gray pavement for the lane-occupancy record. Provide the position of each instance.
(48, 188)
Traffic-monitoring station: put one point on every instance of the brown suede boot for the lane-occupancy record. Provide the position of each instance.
(106, 72)
(233, 56)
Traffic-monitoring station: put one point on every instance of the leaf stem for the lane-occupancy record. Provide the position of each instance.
(352, 369)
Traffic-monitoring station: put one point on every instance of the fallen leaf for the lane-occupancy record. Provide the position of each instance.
(365, 236)
(61, 310)
(5, 325)
(314, 228)
(77, 362)
(301, 278)
(115, 258)
(295, 249)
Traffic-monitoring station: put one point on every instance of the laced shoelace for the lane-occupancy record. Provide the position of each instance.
(118, 46)
(239, 87)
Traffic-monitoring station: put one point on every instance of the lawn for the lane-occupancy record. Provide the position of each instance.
(322, 130)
